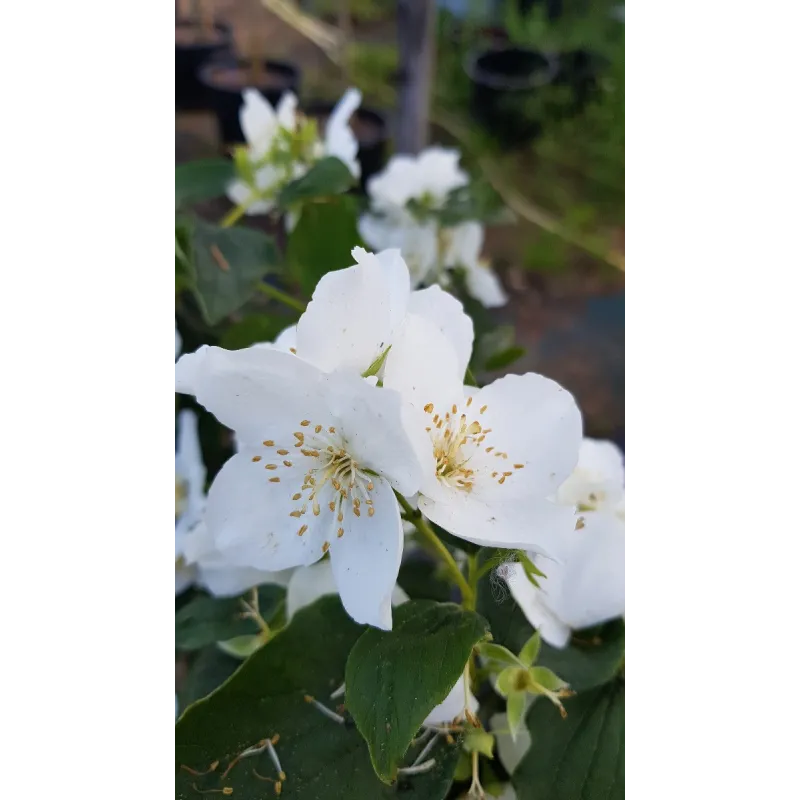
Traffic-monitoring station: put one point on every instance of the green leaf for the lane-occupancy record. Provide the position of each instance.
(329, 176)
(592, 658)
(226, 264)
(580, 758)
(496, 652)
(242, 647)
(375, 367)
(322, 240)
(253, 329)
(209, 670)
(206, 620)
(530, 652)
(515, 711)
(505, 358)
(395, 678)
(421, 579)
(476, 740)
(201, 180)
(323, 760)
(547, 679)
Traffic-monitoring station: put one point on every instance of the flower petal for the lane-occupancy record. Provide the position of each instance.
(464, 245)
(258, 122)
(285, 112)
(371, 421)
(308, 584)
(340, 141)
(509, 751)
(519, 523)
(354, 312)
(452, 706)
(366, 559)
(484, 285)
(600, 472)
(447, 313)
(553, 630)
(423, 365)
(250, 516)
(537, 425)
(585, 585)
(260, 393)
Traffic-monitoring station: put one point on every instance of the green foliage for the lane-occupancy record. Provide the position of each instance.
(209, 670)
(328, 176)
(322, 760)
(201, 180)
(253, 329)
(323, 239)
(223, 266)
(495, 349)
(422, 579)
(581, 757)
(395, 678)
(206, 620)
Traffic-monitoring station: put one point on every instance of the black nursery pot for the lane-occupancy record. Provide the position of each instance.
(370, 129)
(505, 91)
(192, 50)
(226, 79)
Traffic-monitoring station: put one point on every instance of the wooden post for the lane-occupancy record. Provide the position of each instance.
(416, 31)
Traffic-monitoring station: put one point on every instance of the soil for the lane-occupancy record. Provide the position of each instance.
(236, 78)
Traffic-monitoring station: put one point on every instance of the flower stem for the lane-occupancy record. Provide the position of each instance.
(472, 572)
(277, 294)
(421, 524)
(233, 216)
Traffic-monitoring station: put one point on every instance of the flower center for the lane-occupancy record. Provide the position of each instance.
(333, 476)
(456, 440)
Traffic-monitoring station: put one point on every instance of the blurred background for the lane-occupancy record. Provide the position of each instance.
(532, 94)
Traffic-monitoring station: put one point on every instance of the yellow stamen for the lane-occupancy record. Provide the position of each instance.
(302, 530)
(268, 443)
(274, 480)
(283, 452)
(256, 458)
(325, 546)
(305, 423)
(428, 408)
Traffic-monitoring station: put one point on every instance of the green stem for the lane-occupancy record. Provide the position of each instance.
(472, 572)
(277, 294)
(234, 215)
(421, 524)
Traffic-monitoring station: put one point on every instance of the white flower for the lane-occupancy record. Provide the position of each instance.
(190, 476)
(261, 126)
(432, 251)
(267, 131)
(355, 314)
(463, 249)
(417, 241)
(493, 457)
(308, 584)
(340, 141)
(453, 705)
(585, 583)
(428, 178)
(320, 455)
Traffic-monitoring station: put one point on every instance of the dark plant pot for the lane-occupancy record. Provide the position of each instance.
(555, 8)
(506, 91)
(190, 55)
(579, 70)
(370, 129)
(225, 81)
